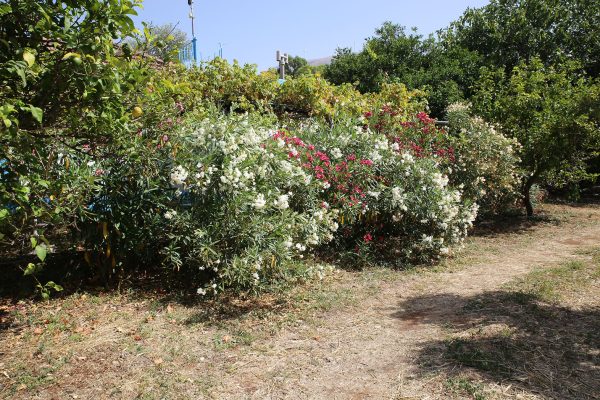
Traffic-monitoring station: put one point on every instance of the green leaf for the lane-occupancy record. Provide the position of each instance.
(37, 113)
(21, 73)
(70, 55)
(41, 251)
(29, 58)
(3, 213)
(52, 285)
(68, 22)
(5, 9)
(33, 242)
(30, 270)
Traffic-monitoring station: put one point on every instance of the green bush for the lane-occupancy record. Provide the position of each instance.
(384, 193)
(486, 166)
(218, 174)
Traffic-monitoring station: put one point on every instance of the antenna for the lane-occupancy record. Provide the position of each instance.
(283, 60)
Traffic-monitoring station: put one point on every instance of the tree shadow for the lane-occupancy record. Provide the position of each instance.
(511, 337)
(510, 223)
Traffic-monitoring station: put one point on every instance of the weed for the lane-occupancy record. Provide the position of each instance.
(463, 385)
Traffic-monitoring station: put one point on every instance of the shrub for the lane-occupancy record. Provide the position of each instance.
(384, 192)
(486, 166)
(64, 87)
(128, 163)
(218, 201)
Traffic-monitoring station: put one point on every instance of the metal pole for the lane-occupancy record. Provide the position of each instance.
(194, 40)
(191, 4)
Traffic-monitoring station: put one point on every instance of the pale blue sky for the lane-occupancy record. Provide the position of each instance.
(251, 31)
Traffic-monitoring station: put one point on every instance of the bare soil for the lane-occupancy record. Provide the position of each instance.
(456, 330)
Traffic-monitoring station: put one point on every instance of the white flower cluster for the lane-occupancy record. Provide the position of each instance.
(260, 202)
(399, 198)
(282, 202)
(336, 153)
(178, 176)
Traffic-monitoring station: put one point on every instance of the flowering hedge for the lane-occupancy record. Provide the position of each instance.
(385, 190)
(486, 166)
(245, 199)
(232, 200)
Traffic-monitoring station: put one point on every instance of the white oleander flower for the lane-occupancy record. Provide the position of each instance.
(178, 176)
(259, 202)
(336, 153)
(282, 202)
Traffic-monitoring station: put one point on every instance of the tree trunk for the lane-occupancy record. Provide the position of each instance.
(527, 193)
(527, 199)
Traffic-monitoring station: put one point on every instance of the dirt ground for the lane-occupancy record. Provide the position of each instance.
(515, 314)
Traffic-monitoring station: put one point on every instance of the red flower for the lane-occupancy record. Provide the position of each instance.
(341, 166)
(366, 162)
(322, 156)
(368, 238)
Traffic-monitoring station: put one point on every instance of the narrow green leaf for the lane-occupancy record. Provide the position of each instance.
(70, 55)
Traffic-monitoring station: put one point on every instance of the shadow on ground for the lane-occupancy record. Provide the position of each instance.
(512, 338)
(515, 222)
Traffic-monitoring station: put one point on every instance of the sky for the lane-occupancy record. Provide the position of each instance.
(251, 31)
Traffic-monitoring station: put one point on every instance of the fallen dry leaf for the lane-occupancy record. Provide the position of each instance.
(158, 361)
(38, 331)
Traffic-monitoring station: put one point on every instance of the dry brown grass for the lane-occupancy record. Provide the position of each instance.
(455, 330)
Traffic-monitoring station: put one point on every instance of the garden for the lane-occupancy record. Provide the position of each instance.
(124, 172)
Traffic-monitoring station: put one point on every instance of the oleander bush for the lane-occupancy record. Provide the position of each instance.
(232, 208)
(217, 174)
(487, 162)
(383, 192)
(231, 200)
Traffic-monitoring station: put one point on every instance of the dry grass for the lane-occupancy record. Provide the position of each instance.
(531, 336)
(539, 336)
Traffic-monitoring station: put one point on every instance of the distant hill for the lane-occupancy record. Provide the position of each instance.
(320, 61)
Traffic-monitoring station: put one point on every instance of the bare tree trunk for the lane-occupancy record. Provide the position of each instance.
(527, 193)
(527, 199)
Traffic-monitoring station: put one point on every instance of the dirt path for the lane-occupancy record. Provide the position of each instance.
(369, 351)
(114, 346)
